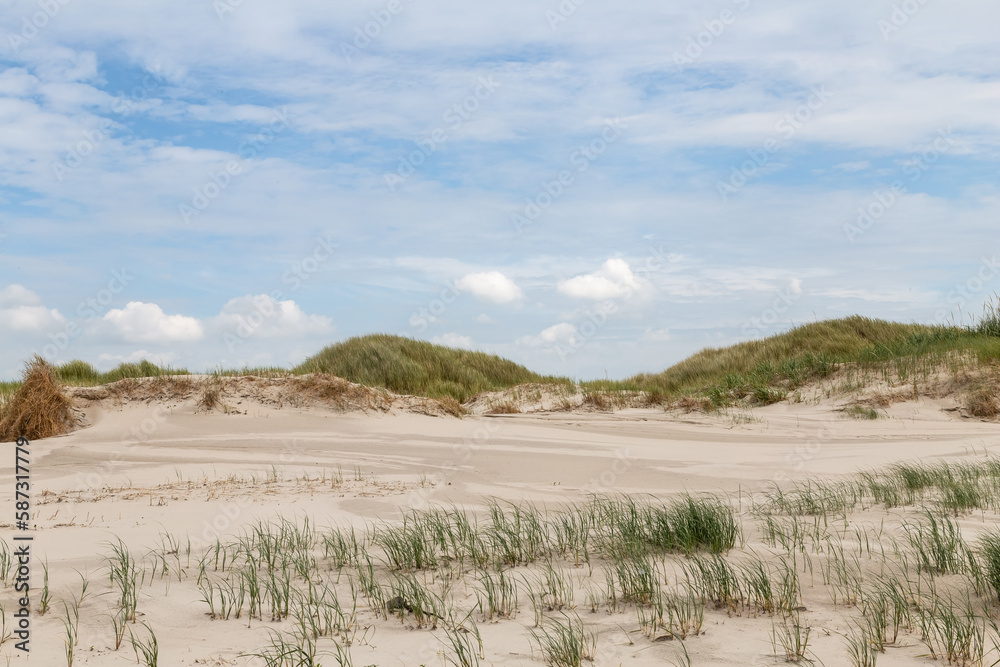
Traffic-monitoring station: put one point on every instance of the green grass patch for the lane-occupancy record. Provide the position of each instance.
(7, 391)
(566, 643)
(860, 412)
(630, 528)
(81, 374)
(408, 366)
(989, 545)
(256, 371)
(765, 371)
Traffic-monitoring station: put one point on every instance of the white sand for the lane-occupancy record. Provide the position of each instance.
(141, 470)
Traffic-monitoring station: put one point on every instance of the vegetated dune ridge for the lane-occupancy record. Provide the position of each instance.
(960, 387)
(875, 361)
(845, 356)
(408, 366)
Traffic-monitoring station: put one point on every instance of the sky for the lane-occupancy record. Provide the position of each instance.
(592, 189)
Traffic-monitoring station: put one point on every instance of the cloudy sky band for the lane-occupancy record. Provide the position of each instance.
(115, 119)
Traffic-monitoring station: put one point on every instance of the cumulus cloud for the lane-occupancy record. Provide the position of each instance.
(30, 318)
(454, 340)
(21, 310)
(135, 331)
(613, 279)
(18, 295)
(262, 315)
(490, 286)
(140, 322)
(562, 333)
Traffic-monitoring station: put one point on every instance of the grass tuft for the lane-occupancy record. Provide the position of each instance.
(861, 412)
(39, 408)
(565, 643)
(990, 550)
(982, 402)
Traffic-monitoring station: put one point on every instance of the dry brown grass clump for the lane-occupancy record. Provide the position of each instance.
(982, 402)
(451, 406)
(39, 409)
(882, 399)
(690, 403)
(611, 400)
(338, 392)
(211, 398)
(605, 401)
(504, 408)
(127, 390)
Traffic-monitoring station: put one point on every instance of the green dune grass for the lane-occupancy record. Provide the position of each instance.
(768, 368)
(82, 374)
(408, 366)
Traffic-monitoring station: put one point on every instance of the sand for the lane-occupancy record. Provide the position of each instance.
(145, 468)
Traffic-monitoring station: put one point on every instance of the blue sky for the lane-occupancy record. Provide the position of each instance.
(588, 188)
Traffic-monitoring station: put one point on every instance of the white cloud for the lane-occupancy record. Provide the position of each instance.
(564, 332)
(140, 322)
(454, 340)
(483, 318)
(159, 358)
(795, 286)
(613, 279)
(30, 318)
(21, 310)
(110, 339)
(18, 295)
(263, 316)
(490, 286)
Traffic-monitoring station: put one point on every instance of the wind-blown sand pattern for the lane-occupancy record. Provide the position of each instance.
(367, 534)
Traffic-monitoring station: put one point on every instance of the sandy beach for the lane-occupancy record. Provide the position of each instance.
(141, 472)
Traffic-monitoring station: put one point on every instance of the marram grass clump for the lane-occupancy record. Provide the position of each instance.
(82, 374)
(39, 408)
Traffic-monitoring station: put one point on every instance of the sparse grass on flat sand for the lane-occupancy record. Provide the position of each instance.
(906, 558)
